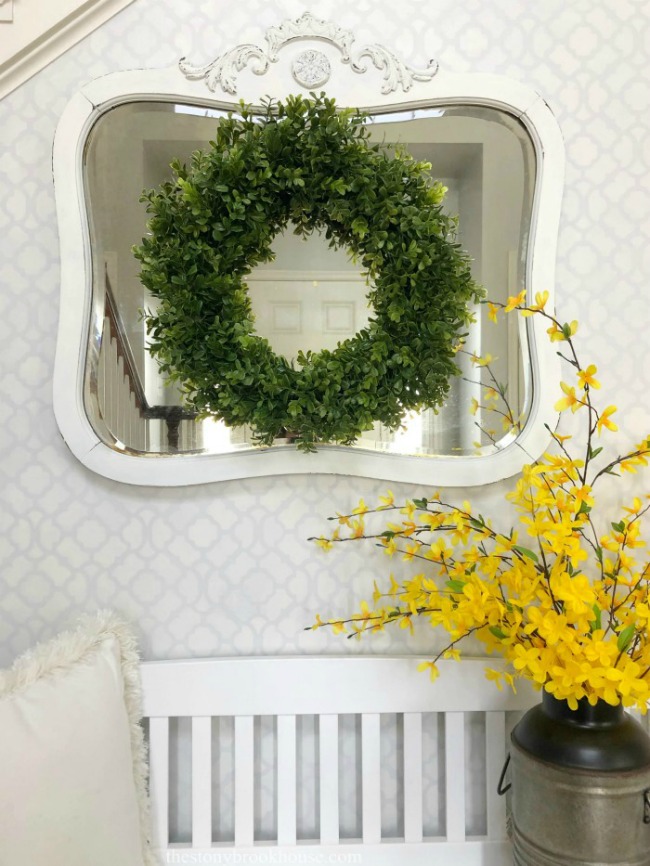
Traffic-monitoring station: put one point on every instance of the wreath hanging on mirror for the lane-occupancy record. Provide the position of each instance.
(306, 163)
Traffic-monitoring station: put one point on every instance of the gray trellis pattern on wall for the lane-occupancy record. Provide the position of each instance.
(225, 569)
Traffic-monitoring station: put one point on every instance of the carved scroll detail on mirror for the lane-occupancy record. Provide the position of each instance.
(222, 72)
(170, 449)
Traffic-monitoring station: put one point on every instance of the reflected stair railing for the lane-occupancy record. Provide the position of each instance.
(121, 396)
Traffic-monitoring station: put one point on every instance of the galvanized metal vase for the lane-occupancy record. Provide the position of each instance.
(580, 787)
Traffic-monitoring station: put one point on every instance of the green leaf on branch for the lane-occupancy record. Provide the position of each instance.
(625, 638)
(596, 621)
(525, 551)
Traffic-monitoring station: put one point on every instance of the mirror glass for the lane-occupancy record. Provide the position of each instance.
(310, 296)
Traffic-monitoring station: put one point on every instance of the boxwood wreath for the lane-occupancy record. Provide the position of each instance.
(306, 163)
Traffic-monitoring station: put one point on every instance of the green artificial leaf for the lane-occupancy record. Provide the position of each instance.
(525, 551)
(302, 160)
(625, 638)
(596, 621)
(455, 585)
(497, 632)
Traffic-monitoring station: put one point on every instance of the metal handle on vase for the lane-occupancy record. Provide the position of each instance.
(501, 790)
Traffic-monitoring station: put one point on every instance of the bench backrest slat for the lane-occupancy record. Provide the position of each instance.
(327, 688)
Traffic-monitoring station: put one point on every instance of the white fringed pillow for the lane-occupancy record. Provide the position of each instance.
(72, 763)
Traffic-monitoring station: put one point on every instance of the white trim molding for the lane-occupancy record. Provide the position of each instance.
(6, 11)
(369, 92)
(36, 41)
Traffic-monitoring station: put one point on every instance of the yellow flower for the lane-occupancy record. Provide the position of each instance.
(323, 542)
(394, 586)
(604, 419)
(337, 625)
(577, 592)
(565, 609)
(586, 378)
(451, 654)
(515, 301)
(583, 494)
(409, 509)
(495, 677)
(540, 302)
(434, 673)
(569, 401)
(492, 311)
(557, 333)
(365, 614)
(481, 361)
(474, 406)
(554, 627)
(438, 551)
(411, 550)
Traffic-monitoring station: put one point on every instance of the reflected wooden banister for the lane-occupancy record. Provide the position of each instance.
(112, 313)
(128, 369)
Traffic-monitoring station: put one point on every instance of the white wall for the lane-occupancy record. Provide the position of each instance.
(225, 568)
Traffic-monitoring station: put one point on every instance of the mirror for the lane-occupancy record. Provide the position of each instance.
(493, 143)
(310, 297)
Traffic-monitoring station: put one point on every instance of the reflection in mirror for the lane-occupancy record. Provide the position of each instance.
(310, 296)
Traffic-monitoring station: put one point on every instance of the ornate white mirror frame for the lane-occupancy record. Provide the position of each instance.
(373, 79)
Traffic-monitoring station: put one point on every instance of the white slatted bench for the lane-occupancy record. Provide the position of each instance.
(327, 687)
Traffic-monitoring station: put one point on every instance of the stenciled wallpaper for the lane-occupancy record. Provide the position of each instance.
(225, 569)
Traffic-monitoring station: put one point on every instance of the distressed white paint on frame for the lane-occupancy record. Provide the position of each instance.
(364, 90)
